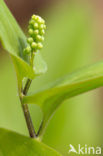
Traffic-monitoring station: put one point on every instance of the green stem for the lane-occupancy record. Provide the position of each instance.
(25, 108)
(28, 121)
(27, 86)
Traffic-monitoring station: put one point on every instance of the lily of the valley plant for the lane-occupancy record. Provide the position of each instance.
(28, 63)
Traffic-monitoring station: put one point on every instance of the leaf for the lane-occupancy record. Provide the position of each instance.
(14, 41)
(39, 64)
(12, 144)
(50, 98)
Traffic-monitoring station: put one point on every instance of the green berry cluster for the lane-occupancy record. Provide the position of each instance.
(36, 34)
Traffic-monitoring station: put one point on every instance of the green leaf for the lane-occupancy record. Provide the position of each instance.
(14, 41)
(50, 98)
(12, 144)
(39, 64)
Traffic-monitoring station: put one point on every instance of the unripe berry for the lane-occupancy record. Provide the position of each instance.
(36, 32)
(42, 32)
(34, 45)
(39, 45)
(33, 17)
(27, 50)
(31, 22)
(35, 25)
(30, 32)
(41, 26)
(41, 21)
(30, 40)
(44, 27)
(40, 38)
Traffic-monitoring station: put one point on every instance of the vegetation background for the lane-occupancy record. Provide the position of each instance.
(74, 38)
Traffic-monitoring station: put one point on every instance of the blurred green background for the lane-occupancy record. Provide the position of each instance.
(73, 39)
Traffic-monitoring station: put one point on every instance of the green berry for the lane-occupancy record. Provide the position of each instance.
(39, 46)
(30, 31)
(37, 18)
(36, 32)
(33, 45)
(31, 22)
(35, 25)
(30, 40)
(41, 21)
(42, 32)
(33, 17)
(44, 27)
(27, 50)
(41, 26)
(40, 38)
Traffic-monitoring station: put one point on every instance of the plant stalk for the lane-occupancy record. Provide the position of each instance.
(25, 108)
(28, 121)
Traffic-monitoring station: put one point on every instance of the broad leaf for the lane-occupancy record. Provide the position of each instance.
(12, 144)
(39, 64)
(14, 41)
(51, 97)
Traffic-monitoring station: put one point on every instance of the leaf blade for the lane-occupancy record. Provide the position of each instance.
(49, 99)
(12, 144)
(14, 41)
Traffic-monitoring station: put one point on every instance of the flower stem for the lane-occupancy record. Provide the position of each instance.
(28, 121)
(25, 108)
(27, 86)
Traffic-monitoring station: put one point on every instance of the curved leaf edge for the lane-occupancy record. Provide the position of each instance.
(79, 82)
(11, 136)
